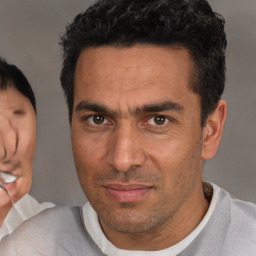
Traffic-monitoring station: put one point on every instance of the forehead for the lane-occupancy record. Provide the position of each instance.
(132, 75)
(11, 98)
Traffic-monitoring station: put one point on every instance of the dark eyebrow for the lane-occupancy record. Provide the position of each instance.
(158, 107)
(148, 108)
(95, 107)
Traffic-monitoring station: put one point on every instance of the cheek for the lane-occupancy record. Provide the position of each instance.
(167, 152)
(87, 148)
(26, 128)
(176, 160)
(86, 156)
(24, 187)
(26, 165)
(27, 144)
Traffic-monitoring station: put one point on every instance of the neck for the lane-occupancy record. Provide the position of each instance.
(169, 233)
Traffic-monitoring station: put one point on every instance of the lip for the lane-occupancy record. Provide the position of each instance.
(9, 186)
(127, 193)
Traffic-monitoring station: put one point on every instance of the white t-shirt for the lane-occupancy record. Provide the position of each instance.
(22, 210)
(94, 229)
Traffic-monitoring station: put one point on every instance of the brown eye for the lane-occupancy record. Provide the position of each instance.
(159, 120)
(98, 119)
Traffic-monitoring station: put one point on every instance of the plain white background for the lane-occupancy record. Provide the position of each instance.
(29, 36)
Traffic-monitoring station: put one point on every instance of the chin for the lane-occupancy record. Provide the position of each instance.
(129, 221)
(5, 200)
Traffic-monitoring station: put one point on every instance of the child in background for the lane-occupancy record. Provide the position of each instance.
(17, 147)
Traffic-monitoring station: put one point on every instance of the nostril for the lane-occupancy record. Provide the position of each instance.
(124, 161)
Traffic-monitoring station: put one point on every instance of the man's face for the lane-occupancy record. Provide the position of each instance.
(136, 135)
(17, 110)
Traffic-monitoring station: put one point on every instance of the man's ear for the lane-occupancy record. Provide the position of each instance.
(212, 130)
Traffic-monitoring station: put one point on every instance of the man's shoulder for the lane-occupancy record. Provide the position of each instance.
(231, 229)
(243, 218)
(241, 233)
(53, 230)
(53, 216)
(241, 213)
(243, 208)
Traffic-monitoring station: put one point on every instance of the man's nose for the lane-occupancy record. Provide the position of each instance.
(126, 149)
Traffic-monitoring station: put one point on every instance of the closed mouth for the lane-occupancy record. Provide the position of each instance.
(127, 193)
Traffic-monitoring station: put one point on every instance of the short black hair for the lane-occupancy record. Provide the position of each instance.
(191, 24)
(11, 76)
